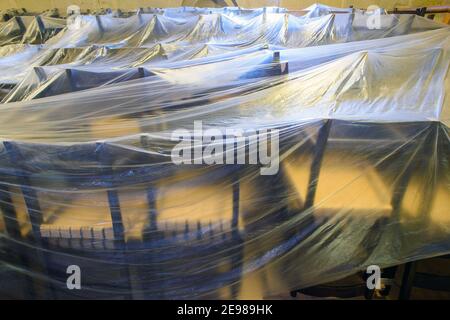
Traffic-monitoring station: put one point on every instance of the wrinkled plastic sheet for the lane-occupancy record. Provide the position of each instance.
(29, 29)
(87, 175)
(178, 36)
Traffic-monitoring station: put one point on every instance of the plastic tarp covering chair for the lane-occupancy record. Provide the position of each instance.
(355, 123)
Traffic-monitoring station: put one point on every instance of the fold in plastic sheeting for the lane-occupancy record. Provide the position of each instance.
(88, 177)
(176, 35)
(29, 29)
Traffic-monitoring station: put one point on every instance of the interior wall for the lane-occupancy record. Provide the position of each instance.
(42, 5)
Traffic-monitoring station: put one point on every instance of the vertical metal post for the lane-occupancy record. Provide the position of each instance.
(29, 194)
(99, 24)
(141, 72)
(21, 25)
(41, 26)
(15, 250)
(105, 159)
(151, 195)
(400, 188)
(33, 210)
(9, 212)
(71, 80)
(407, 280)
(319, 151)
(421, 11)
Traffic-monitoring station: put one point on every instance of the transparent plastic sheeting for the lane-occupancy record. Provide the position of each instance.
(158, 39)
(362, 177)
(29, 29)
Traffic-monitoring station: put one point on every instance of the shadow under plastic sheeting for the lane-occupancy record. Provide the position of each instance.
(359, 143)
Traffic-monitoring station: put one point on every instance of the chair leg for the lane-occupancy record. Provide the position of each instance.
(368, 294)
(388, 275)
(407, 280)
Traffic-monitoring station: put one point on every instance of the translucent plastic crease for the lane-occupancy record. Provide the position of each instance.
(88, 176)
